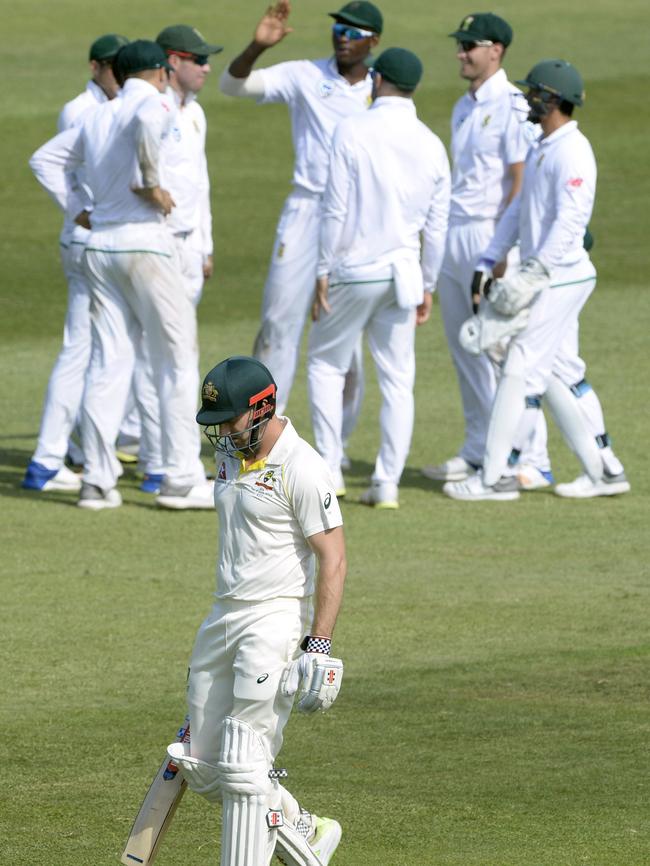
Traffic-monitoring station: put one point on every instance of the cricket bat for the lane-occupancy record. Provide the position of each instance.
(157, 810)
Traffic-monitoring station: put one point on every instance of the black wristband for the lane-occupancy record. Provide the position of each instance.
(315, 644)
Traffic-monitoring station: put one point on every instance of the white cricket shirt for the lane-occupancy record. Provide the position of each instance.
(388, 182)
(551, 213)
(185, 172)
(489, 132)
(317, 97)
(266, 514)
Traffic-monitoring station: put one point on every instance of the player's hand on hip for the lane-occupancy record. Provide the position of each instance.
(272, 27)
(208, 267)
(423, 310)
(83, 219)
(160, 198)
(318, 676)
(321, 301)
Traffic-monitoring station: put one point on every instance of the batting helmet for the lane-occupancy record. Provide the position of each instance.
(237, 386)
(556, 78)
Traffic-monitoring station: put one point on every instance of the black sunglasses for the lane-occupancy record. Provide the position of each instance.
(470, 46)
(199, 59)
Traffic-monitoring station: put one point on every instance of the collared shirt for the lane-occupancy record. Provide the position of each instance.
(117, 142)
(185, 172)
(318, 97)
(388, 181)
(551, 213)
(489, 132)
(266, 514)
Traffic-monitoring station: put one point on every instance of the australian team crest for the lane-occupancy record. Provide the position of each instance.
(266, 481)
(209, 392)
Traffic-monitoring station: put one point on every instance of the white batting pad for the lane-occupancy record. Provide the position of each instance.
(248, 838)
(201, 777)
(507, 410)
(568, 417)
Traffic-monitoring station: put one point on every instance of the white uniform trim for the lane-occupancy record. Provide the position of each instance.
(266, 514)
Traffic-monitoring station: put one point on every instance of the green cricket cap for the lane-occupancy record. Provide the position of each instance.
(399, 66)
(483, 26)
(362, 14)
(106, 47)
(138, 56)
(233, 387)
(181, 37)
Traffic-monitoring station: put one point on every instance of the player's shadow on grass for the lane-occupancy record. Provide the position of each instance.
(362, 470)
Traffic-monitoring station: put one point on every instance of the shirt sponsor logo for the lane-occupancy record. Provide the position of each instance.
(575, 182)
(328, 501)
(221, 475)
(262, 679)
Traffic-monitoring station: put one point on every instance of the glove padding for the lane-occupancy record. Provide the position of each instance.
(513, 293)
(481, 282)
(319, 678)
(489, 331)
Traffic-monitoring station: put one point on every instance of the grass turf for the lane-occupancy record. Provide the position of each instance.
(495, 705)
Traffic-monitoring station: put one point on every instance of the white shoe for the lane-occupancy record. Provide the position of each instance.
(473, 488)
(584, 488)
(454, 469)
(65, 480)
(94, 498)
(530, 477)
(292, 849)
(382, 495)
(182, 498)
(339, 484)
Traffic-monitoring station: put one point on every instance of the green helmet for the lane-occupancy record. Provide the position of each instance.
(556, 78)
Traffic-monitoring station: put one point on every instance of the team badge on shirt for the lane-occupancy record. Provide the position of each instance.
(326, 88)
(267, 480)
(575, 182)
(486, 119)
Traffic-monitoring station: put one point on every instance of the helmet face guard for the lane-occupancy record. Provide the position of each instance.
(247, 442)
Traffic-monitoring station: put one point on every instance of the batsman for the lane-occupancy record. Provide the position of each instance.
(280, 574)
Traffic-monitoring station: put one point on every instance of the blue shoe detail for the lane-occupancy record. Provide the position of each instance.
(37, 476)
(151, 483)
(548, 475)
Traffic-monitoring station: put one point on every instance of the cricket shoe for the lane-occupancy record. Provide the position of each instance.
(93, 498)
(127, 450)
(584, 488)
(39, 477)
(506, 488)
(382, 495)
(151, 483)
(339, 484)
(197, 496)
(454, 469)
(529, 477)
(294, 849)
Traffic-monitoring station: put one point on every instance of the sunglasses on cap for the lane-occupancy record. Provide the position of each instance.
(199, 59)
(352, 33)
(470, 46)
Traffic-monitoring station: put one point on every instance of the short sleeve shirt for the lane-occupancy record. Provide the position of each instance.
(266, 514)
(317, 97)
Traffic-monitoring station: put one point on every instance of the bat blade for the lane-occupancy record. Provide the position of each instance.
(156, 812)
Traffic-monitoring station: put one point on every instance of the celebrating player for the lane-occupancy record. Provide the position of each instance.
(539, 304)
(319, 93)
(263, 641)
(388, 181)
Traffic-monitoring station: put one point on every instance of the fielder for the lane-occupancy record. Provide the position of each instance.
(135, 278)
(388, 182)
(264, 639)
(185, 175)
(537, 307)
(47, 470)
(489, 142)
(318, 93)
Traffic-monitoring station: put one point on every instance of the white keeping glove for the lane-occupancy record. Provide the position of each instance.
(488, 330)
(319, 678)
(513, 293)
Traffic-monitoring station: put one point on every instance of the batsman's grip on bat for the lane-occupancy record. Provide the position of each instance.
(318, 676)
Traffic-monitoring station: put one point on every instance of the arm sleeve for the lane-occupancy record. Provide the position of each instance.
(312, 494)
(54, 165)
(519, 133)
(335, 203)
(575, 189)
(434, 233)
(152, 124)
(253, 86)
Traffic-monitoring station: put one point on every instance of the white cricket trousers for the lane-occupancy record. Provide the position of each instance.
(67, 379)
(547, 347)
(239, 654)
(137, 287)
(288, 295)
(357, 307)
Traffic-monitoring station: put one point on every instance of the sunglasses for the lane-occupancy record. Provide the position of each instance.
(199, 59)
(470, 46)
(352, 33)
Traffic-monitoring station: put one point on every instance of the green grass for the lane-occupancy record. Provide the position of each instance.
(495, 704)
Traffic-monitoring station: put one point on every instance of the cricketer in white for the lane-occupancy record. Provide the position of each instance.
(388, 182)
(278, 518)
(318, 94)
(541, 302)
